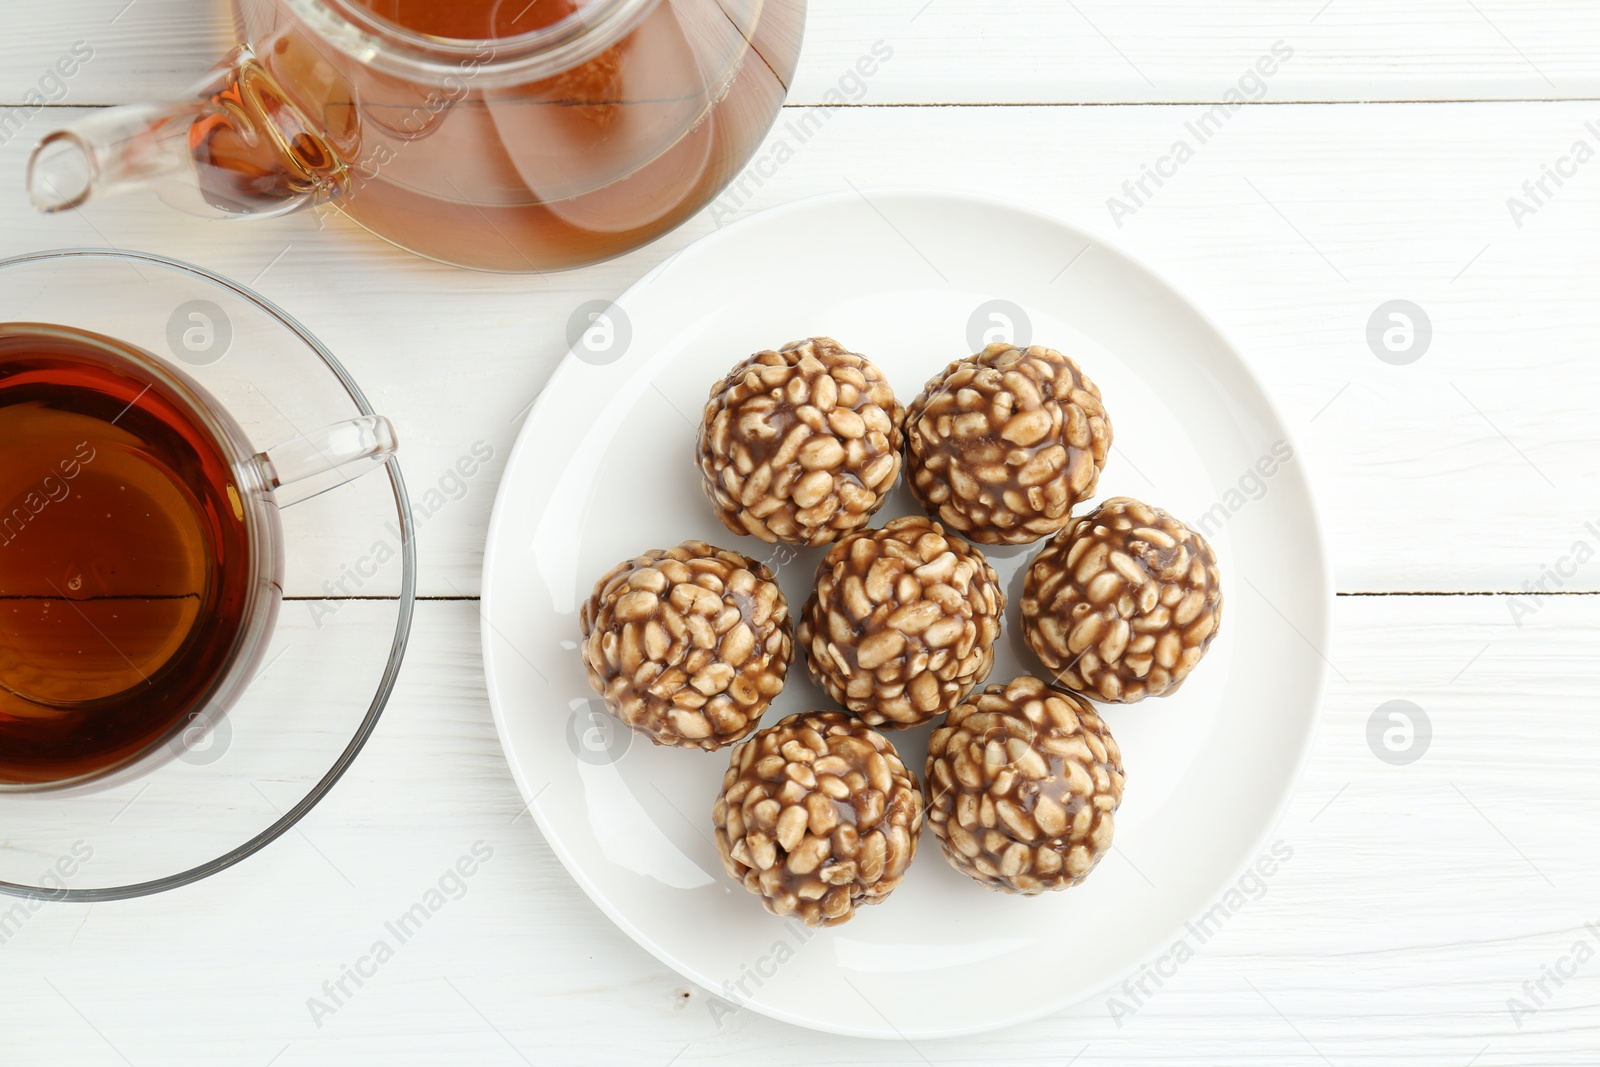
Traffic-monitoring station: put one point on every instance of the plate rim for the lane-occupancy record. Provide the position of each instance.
(499, 519)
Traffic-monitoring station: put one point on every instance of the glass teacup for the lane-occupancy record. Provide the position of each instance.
(141, 551)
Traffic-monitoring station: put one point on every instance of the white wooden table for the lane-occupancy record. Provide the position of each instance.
(1421, 898)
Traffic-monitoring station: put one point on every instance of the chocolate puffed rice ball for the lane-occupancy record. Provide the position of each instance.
(689, 645)
(1122, 604)
(1001, 445)
(902, 622)
(817, 816)
(1022, 785)
(800, 445)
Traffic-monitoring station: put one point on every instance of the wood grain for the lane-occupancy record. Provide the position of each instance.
(1031, 51)
(1470, 469)
(1418, 900)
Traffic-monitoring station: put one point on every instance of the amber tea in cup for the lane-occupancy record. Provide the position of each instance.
(125, 561)
(140, 555)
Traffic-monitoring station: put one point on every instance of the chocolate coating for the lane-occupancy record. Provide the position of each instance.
(800, 445)
(1000, 446)
(902, 622)
(817, 816)
(1023, 782)
(687, 645)
(1123, 603)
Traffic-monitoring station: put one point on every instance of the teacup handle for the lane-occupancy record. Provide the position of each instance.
(313, 463)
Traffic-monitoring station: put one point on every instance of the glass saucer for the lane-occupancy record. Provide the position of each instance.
(349, 592)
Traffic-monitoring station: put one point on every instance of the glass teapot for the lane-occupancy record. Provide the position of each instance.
(509, 135)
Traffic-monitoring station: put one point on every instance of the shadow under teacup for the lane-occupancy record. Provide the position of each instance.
(141, 555)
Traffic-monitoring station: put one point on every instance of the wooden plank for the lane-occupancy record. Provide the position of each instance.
(1469, 469)
(1036, 51)
(1419, 898)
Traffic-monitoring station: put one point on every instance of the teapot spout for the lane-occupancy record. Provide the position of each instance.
(60, 173)
(238, 149)
(106, 151)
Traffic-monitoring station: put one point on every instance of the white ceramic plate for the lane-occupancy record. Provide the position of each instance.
(604, 469)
